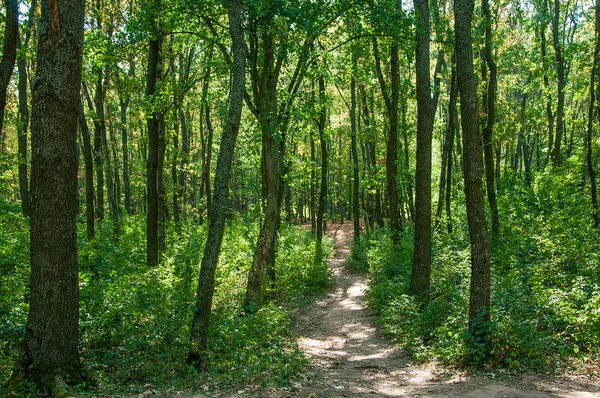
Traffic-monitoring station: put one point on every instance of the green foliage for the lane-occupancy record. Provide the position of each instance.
(14, 278)
(300, 272)
(134, 321)
(250, 347)
(545, 283)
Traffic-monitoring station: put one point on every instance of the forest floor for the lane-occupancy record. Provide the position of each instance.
(348, 358)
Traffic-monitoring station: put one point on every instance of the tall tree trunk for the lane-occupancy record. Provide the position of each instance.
(124, 102)
(9, 56)
(323, 142)
(593, 111)
(560, 71)
(355, 185)
(49, 354)
(266, 61)
(185, 156)
(176, 194)
(152, 245)
(98, 160)
(313, 183)
(391, 103)
(100, 127)
(340, 180)
(23, 126)
(447, 152)
(89, 172)
(490, 103)
(23, 129)
(479, 302)
(408, 179)
(216, 218)
(454, 122)
(370, 156)
(208, 154)
(160, 185)
(421, 267)
(542, 24)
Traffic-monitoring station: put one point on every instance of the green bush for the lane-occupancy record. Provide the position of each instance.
(134, 321)
(545, 282)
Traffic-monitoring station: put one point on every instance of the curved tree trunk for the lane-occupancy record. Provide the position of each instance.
(49, 354)
(216, 218)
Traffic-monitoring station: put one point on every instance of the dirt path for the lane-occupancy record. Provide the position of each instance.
(347, 358)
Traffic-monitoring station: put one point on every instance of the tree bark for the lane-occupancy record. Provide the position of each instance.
(49, 354)
(421, 267)
(479, 302)
(216, 218)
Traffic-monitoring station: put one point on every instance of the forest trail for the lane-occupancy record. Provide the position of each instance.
(348, 358)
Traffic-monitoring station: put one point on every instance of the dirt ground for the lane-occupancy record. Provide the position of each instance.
(347, 358)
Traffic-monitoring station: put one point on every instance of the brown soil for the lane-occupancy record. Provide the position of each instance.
(347, 358)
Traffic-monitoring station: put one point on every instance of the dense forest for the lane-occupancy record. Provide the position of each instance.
(169, 171)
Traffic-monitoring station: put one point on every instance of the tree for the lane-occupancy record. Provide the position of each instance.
(353, 129)
(89, 171)
(391, 105)
(9, 56)
(53, 361)
(152, 164)
(479, 302)
(421, 267)
(490, 107)
(220, 203)
(23, 127)
(560, 71)
(321, 124)
(593, 114)
(270, 43)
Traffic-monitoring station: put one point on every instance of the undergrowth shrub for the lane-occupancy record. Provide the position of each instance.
(135, 321)
(545, 283)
